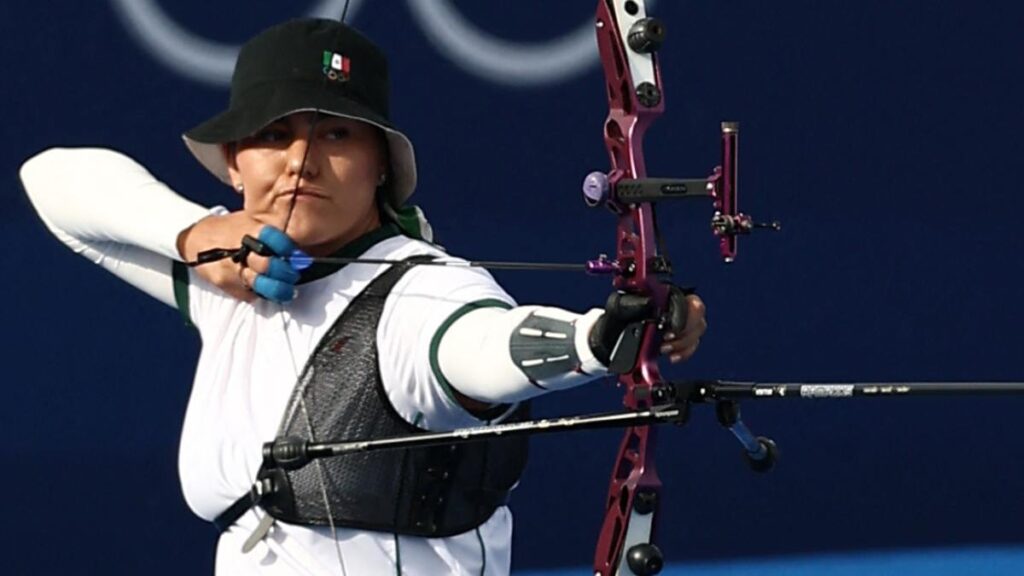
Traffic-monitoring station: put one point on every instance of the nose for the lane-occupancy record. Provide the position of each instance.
(302, 160)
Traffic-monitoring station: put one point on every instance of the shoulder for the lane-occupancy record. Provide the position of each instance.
(401, 247)
(453, 278)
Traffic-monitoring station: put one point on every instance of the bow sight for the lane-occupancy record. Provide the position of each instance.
(600, 189)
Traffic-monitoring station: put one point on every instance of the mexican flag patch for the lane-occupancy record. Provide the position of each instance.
(336, 66)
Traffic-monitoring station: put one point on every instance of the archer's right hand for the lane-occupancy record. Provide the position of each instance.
(254, 275)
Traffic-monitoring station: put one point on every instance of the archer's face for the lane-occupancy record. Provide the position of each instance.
(335, 203)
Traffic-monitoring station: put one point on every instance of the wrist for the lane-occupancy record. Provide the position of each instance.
(186, 243)
(590, 326)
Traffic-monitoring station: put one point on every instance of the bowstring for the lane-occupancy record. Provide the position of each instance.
(321, 474)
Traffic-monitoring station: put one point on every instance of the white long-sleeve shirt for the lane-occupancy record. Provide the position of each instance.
(108, 208)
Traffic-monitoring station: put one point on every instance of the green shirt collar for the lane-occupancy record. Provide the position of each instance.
(353, 249)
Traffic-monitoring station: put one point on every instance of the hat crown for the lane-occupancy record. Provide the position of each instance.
(336, 59)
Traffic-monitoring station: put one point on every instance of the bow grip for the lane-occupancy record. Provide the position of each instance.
(626, 316)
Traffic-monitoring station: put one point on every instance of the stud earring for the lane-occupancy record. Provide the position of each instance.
(383, 179)
(240, 188)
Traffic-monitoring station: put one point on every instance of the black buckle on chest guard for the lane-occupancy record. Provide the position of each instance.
(263, 486)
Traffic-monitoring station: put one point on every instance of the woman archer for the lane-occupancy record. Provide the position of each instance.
(331, 351)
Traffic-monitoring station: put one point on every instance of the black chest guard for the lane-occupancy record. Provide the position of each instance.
(429, 492)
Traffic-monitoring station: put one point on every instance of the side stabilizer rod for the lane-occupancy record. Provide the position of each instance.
(671, 406)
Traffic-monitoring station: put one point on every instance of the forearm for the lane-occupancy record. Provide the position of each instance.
(106, 207)
(99, 195)
(494, 355)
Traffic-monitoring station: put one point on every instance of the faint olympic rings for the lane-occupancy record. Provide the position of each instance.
(190, 55)
(471, 49)
(501, 61)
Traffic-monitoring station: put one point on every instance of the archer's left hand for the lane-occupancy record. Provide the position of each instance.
(686, 325)
(683, 324)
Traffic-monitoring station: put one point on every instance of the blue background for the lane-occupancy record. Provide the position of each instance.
(885, 136)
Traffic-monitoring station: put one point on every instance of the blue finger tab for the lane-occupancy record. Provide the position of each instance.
(281, 270)
(277, 241)
(273, 290)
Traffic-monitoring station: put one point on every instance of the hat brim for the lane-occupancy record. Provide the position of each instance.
(206, 140)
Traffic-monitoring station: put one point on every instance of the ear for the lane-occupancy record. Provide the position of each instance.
(230, 159)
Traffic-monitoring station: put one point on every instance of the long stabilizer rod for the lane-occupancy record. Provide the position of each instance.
(728, 390)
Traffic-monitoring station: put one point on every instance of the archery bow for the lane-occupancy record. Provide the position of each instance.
(628, 41)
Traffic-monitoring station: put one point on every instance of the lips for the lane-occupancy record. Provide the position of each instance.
(304, 193)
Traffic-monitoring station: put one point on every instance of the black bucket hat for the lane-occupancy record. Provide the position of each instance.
(307, 65)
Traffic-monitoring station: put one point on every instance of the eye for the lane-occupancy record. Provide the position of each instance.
(271, 134)
(337, 133)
